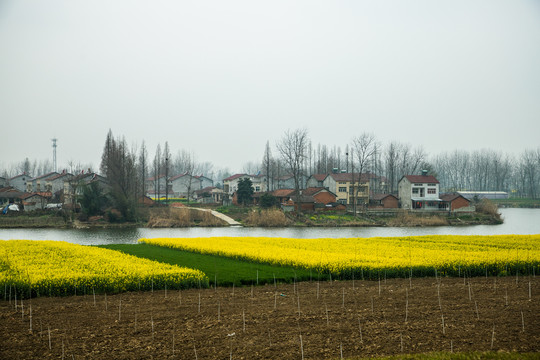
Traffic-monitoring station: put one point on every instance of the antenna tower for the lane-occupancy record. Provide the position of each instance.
(54, 153)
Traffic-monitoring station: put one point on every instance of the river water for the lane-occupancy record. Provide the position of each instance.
(516, 221)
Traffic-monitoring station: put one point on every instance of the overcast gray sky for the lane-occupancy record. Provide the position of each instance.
(220, 78)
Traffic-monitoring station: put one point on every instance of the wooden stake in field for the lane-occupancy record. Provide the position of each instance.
(522, 322)
(94, 292)
(406, 304)
(327, 319)
(443, 329)
(119, 310)
(401, 341)
(476, 308)
(152, 324)
(31, 317)
(49, 332)
(243, 320)
(199, 308)
(301, 347)
(106, 305)
(360, 329)
(439, 295)
(492, 337)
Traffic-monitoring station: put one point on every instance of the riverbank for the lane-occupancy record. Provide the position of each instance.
(249, 217)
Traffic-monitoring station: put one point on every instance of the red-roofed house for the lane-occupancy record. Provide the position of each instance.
(35, 201)
(383, 201)
(419, 192)
(341, 184)
(455, 201)
(230, 184)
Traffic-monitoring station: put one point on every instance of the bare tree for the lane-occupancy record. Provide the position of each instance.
(267, 164)
(364, 148)
(293, 150)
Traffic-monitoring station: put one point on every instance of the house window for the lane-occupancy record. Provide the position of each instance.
(415, 191)
(432, 184)
(418, 185)
(342, 189)
(257, 188)
(431, 191)
(342, 201)
(342, 182)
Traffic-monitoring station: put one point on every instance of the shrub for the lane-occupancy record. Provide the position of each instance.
(267, 218)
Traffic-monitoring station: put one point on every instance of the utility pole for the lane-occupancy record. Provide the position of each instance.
(54, 153)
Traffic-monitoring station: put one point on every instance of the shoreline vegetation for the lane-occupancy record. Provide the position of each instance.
(178, 217)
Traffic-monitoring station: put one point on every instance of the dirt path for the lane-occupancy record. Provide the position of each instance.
(221, 216)
(319, 319)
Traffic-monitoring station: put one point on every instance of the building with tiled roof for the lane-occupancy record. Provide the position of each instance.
(419, 192)
(20, 182)
(345, 185)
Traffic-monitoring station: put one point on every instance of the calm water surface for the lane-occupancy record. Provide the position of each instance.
(516, 221)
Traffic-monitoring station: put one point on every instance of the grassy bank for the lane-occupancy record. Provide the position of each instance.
(48, 220)
(518, 203)
(226, 271)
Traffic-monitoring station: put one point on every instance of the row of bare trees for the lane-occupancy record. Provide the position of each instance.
(490, 170)
(483, 170)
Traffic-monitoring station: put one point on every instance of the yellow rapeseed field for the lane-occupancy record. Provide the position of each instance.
(61, 268)
(449, 255)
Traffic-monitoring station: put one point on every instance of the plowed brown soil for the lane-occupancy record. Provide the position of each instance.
(321, 320)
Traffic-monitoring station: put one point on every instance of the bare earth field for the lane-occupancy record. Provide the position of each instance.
(308, 320)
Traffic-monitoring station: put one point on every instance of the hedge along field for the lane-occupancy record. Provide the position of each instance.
(35, 268)
(430, 255)
(221, 270)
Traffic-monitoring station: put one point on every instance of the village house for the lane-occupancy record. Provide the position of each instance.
(20, 182)
(419, 192)
(287, 182)
(155, 187)
(344, 185)
(10, 195)
(39, 183)
(383, 201)
(455, 202)
(56, 183)
(35, 201)
(73, 186)
(184, 185)
(321, 195)
(3, 182)
(209, 195)
(205, 181)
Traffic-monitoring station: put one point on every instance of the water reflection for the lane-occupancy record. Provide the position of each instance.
(517, 221)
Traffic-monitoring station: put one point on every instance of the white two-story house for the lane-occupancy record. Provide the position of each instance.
(419, 192)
